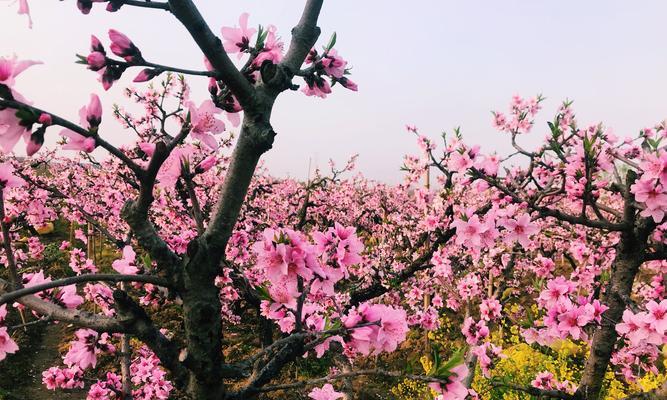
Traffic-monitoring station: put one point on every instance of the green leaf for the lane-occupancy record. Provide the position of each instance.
(263, 293)
(444, 370)
(81, 59)
(146, 259)
(332, 42)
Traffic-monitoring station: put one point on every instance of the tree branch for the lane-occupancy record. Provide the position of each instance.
(147, 4)
(78, 129)
(164, 68)
(533, 391)
(304, 36)
(7, 243)
(77, 317)
(17, 294)
(140, 324)
(186, 12)
(352, 374)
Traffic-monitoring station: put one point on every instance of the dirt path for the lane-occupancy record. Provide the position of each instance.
(38, 357)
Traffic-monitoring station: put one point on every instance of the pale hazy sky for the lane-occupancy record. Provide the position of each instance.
(436, 64)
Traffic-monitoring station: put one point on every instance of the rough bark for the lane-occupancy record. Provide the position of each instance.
(630, 255)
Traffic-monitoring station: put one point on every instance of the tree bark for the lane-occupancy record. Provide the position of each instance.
(631, 251)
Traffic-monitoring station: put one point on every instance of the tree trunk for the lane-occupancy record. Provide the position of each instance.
(630, 253)
(203, 328)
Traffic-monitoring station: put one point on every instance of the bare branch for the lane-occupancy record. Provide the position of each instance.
(17, 294)
(77, 317)
(352, 374)
(147, 4)
(554, 394)
(164, 68)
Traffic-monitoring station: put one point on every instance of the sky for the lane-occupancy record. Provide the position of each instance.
(437, 64)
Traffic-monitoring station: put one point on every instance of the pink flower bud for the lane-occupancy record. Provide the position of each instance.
(114, 6)
(213, 86)
(348, 84)
(109, 75)
(119, 42)
(94, 111)
(96, 61)
(89, 145)
(34, 144)
(45, 119)
(146, 75)
(84, 6)
(122, 46)
(206, 164)
(96, 45)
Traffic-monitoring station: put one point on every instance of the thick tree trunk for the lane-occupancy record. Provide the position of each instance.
(201, 301)
(203, 329)
(624, 270)
(629, 257)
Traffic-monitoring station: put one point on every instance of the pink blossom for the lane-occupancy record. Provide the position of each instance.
(572, 322)
(63, 378)
(273, 48)
(596, 309)
(469, 232)
(391, 331)
(90, 117)
(7, 345)
(146, 75)
(486, 355)
(474, 331)
(490, 309)
(84, 350)
(317, 87)
(655, 166)
(204, 123)
(10, 68)
(237, 40)
(147, 148)
(326, 392)
(653, 196)
(333, 64)
(45, 119)
(96, 61)
(126, 265)
(7, 178)
(555, 291)
(657, 315)
(460, 162)
(454, 389)
(636, 327)
(66, 296)
(520, 230)
(544, 380)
